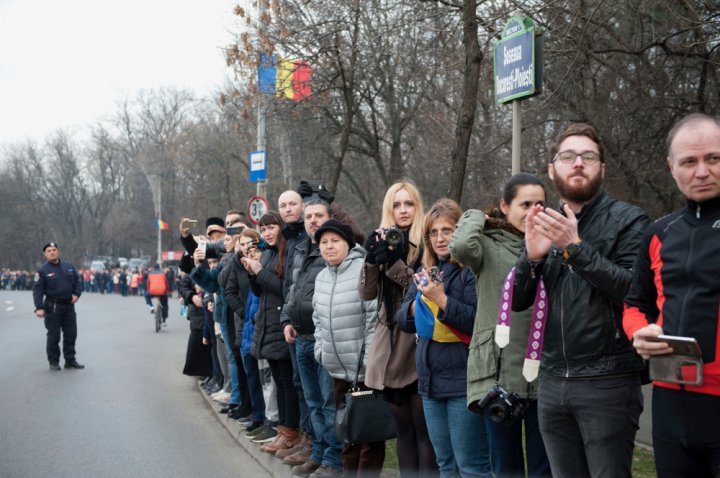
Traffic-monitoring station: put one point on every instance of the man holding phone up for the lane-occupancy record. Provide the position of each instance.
(676, 291)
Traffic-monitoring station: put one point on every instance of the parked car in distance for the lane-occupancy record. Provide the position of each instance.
(122, 262)
(97, 265)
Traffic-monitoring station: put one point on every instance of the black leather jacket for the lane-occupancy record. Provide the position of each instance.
(583, 334)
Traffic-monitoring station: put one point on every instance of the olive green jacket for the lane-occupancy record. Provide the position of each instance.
(491, 254)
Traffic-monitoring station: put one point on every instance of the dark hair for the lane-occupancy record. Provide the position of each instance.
(319, 202)
(689, 119)
(269, 219)
(510, 190)
(577, 129)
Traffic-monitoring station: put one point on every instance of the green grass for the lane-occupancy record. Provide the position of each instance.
(643, 462)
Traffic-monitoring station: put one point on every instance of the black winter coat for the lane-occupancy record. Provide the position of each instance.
(268, 339)
(583, 334)
(196, 315)
(298, 308)
(237, 287)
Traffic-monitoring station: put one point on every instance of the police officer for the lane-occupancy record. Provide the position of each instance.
(59, 283)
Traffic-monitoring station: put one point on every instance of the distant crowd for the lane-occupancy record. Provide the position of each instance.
(120, 280)
(15, 279)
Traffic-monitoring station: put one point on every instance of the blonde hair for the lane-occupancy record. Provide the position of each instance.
(415, 234)
(443, 208)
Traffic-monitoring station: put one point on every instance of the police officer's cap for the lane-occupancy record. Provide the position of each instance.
(50, 244)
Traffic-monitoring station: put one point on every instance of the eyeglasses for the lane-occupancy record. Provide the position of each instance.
(569, 157)
(442, 232)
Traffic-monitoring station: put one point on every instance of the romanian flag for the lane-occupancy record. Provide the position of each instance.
(162, 225)
(429, 327)
(285, 78)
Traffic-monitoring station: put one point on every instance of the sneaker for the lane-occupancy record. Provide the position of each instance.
(221, 396)
(256, 431)
(252, 426)
(164, 324)
(266, 436)
(152, 310)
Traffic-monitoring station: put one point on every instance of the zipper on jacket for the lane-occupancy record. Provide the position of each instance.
(688, 271)
(332, 335)
(562, 330)
(697, 211)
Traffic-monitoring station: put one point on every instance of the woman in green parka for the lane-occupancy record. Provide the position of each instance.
(489, 243)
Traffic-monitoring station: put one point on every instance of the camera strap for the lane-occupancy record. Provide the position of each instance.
(531, 366)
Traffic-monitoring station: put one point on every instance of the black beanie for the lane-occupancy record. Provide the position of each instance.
(337, 227)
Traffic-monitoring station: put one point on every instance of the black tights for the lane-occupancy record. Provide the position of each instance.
(416, 456)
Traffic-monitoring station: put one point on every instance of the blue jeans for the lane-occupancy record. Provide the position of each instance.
(589, 426)
(458, 437)
(305, 423)
(232, 365)
(254, 387)
(506, 446)
(318, 387)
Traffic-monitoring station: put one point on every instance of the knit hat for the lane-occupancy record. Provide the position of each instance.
(342, 229)
(214, 224)
(50, 244)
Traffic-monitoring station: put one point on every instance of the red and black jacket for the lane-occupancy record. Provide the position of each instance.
(676, 284)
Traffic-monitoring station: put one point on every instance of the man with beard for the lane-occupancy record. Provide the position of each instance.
(589, 396)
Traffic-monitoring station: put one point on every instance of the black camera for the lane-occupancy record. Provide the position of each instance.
(502, 406)
(394, 236)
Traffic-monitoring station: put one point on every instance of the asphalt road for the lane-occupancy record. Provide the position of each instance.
(130, 413)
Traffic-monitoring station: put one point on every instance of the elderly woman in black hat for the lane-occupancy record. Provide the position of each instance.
(344, 328)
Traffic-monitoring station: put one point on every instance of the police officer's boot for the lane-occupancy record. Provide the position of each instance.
(73, 364)
(54, 366)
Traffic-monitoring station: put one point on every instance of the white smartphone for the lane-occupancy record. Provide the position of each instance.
(202, 245)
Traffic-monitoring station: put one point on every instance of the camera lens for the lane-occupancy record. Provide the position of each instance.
(498, 412)
(394, 236)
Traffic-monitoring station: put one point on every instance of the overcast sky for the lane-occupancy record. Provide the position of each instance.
(64, 64)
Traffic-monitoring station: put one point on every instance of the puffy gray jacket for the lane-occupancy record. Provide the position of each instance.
(342, 319)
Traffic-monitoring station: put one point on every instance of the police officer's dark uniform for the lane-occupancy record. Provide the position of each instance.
(57, 282)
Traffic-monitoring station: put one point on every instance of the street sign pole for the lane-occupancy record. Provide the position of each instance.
(518, 73)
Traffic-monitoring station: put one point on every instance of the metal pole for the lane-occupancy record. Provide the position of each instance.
(516, 142)
(159, 244)
(260, 191)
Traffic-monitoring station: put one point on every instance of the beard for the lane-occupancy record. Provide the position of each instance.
(578, 194)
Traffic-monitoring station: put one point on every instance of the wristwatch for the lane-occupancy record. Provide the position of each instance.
(571, 249)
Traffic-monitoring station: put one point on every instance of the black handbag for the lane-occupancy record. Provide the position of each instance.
(365, 416)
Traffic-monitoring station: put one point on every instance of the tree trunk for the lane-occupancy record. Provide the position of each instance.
(466, 119)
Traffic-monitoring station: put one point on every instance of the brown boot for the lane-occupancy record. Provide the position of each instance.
(305, 469)
(285, 452)
(301, 455)
(287, 438)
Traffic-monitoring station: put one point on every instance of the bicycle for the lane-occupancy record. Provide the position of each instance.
(158, 315)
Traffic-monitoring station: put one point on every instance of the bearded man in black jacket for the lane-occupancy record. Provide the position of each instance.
(589, 398)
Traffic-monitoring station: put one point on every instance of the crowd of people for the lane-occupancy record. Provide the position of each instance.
(16, 279)
(507, 341)
(121, 280)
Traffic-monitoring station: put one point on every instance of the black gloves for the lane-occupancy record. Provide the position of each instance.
(305, 190)
(378, 251)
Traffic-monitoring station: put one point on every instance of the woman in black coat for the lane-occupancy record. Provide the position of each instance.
(198, 359)
(266, 280)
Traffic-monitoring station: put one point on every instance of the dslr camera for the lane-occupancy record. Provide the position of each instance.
(502, 406)
(394, 236)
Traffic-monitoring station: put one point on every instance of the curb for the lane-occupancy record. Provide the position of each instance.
(274, 467)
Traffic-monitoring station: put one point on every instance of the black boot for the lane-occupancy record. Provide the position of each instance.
(73, 364)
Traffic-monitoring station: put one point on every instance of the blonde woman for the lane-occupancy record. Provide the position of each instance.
(394, 251)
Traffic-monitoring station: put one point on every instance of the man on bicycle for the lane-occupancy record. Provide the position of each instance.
(158, 286)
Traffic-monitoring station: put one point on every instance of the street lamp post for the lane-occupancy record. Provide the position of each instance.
(156, 187)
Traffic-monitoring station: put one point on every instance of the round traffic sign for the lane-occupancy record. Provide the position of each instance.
(258, 206)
